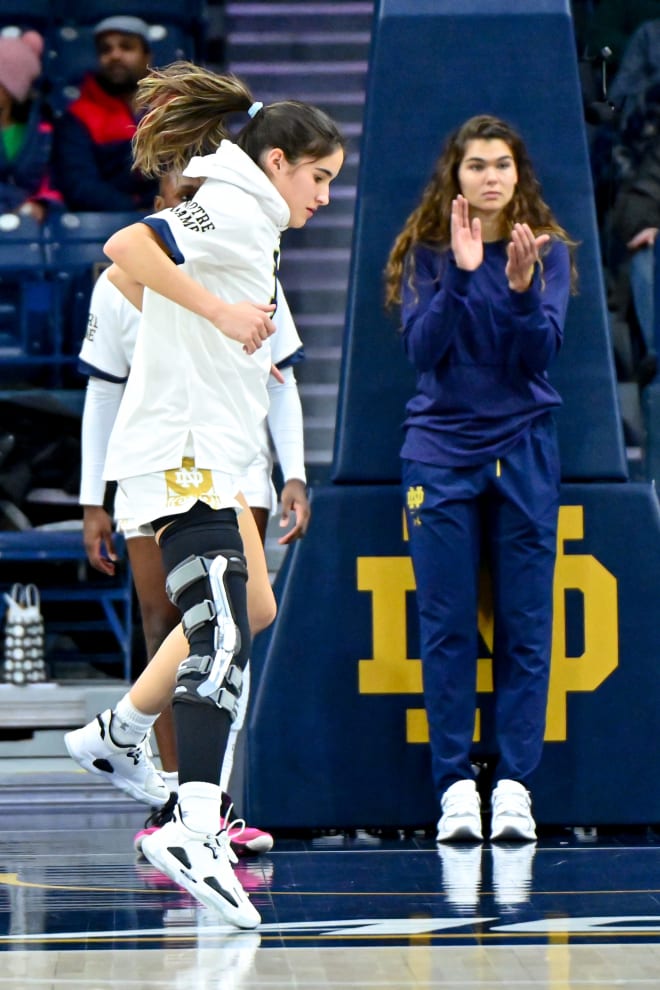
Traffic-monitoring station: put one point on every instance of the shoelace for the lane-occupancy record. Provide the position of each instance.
(161, 816)
(232, 830)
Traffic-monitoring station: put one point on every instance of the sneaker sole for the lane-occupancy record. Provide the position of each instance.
(253, 847)
(513, 833)
(462, 833)
(172, 868)
(86, 761)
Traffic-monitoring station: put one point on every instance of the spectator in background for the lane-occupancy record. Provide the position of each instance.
(611, 24)
(93, 158)
(632, 33)
(636, 220)
(639, 69)
(27, 137)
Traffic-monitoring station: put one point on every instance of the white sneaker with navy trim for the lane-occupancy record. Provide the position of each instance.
(129, 768)
(461, 814)
(512, 819)
(201, 864)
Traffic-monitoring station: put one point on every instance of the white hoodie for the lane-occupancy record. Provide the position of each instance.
(192, 388)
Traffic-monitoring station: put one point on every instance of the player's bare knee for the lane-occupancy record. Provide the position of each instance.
(262, 613)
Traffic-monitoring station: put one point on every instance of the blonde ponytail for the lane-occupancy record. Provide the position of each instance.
(185, 110)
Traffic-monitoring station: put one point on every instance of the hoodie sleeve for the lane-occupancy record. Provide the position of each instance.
(434, 303)
(201, 231)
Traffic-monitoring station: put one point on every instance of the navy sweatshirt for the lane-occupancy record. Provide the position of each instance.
(481, 352)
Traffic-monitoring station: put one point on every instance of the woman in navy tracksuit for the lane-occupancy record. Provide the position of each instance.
(482, 272)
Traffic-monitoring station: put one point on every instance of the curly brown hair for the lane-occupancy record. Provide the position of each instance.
(429, 223)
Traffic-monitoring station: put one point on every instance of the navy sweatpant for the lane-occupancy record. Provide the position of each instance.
(509, 507)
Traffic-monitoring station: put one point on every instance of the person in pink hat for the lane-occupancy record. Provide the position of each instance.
(26, 136)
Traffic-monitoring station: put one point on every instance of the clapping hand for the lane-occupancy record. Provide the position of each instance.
(466, 242)
(522, 253)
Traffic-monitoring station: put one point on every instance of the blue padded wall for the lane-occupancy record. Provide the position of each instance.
(337, 733)
(433, 64)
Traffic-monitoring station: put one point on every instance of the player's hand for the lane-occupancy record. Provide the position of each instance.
(98, 539)
(294, 503)
(248, 323)
(523, 253)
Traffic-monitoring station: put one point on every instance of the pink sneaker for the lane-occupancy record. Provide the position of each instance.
(247, 841)
(142, 834)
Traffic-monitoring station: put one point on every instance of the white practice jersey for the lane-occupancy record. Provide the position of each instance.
(191, 387)
(112, 327)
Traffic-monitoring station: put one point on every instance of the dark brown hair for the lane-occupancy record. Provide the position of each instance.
(429, 223)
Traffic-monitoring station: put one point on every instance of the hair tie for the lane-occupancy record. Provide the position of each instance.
(255, 108)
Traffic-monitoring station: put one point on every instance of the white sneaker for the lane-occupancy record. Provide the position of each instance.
(129, 768)
(461, 814)
(512, 813)
(202, 865)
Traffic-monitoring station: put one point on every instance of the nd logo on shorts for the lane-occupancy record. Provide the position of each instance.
(190, 482)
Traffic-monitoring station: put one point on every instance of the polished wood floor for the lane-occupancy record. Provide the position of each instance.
(79, 911)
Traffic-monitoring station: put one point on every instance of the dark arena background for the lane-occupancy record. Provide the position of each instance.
(334, 759)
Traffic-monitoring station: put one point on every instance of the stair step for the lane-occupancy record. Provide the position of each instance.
(318, 456)
(317, 234)
(316, 52)
(310, 299)
(298, 46)
(321, 365)
(321, 334)
(320, 399)
(320, 322)
(299, 16)
(294, 77)
(307, 264)
(319, 436)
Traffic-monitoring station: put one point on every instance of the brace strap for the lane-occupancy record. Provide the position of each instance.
(196, 616)
(196, 568)
(225, 695)
(191, 569)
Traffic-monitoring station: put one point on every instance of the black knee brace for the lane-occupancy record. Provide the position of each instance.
(208, 586)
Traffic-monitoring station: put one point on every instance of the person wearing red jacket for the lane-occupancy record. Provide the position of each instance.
(92, 158)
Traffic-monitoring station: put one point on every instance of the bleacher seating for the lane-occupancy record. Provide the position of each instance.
(36, 14)
(47, 273)
(46, 277)
(189, 15)
(75, 258)
(58, 565)
(30, 327)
